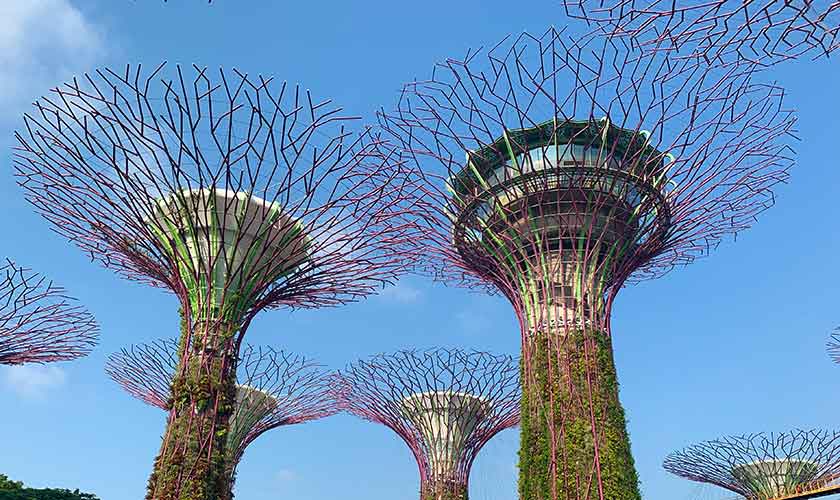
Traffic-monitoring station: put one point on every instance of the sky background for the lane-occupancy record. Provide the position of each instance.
(735, 343)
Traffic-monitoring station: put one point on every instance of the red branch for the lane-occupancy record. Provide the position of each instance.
(38, 322)
(300, 388)
(723, 31)
(762, 466)
(379, 390)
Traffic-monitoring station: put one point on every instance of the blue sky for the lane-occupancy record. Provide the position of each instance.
(732, 344)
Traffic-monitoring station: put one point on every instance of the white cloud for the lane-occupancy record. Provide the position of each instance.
(286, 475)
(33, 380)
(42, 44)
(402, 292)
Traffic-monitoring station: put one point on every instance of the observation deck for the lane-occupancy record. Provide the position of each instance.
(564, 180)
(567, 191)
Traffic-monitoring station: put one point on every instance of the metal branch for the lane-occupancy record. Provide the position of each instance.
(39, 323)
(833, 345)
(798, 464)
(720, 31)
(235, 192)
(274, 388)
(445, 404)
(556, 169)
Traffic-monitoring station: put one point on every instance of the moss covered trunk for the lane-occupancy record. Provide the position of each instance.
(192, 461)
(574, 442)
(443, 490)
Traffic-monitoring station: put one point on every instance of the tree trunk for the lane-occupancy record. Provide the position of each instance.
(574, 442)
(192, 463)
(443, 490)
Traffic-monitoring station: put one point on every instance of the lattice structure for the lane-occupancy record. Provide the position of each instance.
(555, 171)
(39, 323)
(445, 404)
(798, 464)
(833, 345)
(237, 194)
(274, 389)
(723, 31)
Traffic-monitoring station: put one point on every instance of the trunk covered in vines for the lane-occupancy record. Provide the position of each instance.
(443, 490)
(574, 435)
(193, 460)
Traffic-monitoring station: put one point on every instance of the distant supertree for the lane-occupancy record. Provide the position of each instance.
(445, 404)
(235, 193)
(794, 465)
(833, 345)
(719, 30)
(39, 323)
(273, 389)
(557, 169)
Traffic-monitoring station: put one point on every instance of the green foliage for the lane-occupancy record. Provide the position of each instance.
(8, 484)
(443, 491)
(203, 396)
(560, 401)
(15, 490)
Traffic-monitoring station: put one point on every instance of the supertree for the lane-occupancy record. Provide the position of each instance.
(273, 389)
(793, 465)
(723, 31)
(541, 184)
(236, 194)
(833, 345)
(39, 323)
(444, 403)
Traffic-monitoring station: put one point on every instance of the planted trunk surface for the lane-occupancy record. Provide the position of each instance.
(443, 490)
(574, 442)
(192, 462)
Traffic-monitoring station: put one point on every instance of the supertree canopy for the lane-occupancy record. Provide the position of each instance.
(445, 404)
(833, 345)
(273, 389)
(39, 323)
(794, 465)
(236, 193)
(719, 30)
(554, 171)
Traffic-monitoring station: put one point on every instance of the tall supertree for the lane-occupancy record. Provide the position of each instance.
(793, 465)
(237, 194)
(555, 170)
(722, 31)
(444, 403)
(273, 389)
(39, 323)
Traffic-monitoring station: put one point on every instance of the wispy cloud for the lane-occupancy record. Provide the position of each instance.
(402, 292)
(32, 381)
(42, 43)
(286, 475)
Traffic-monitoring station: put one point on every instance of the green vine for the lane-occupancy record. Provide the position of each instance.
(203, 396)
(569, 420)
(443, 490)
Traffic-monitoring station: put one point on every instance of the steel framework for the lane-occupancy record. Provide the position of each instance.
(542, 184)
(445, 404)
(39, 323)
(833, 345)
(719, 30)
(799, 464)
(274, 389)
(237, 194)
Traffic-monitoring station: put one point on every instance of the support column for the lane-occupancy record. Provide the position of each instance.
(192, 462)
(443, 490)
(574, 435)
